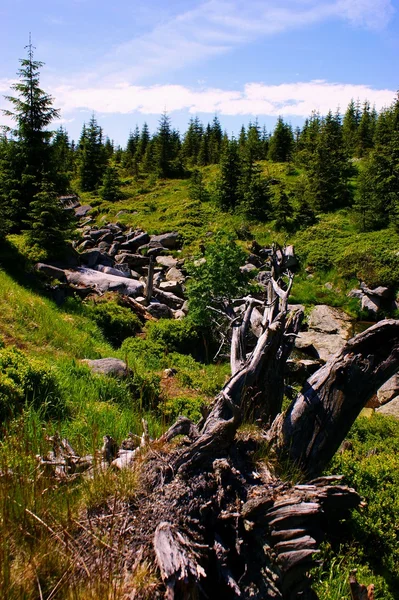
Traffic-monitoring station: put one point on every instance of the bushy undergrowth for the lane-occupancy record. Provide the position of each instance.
(371, 465)
(27, 381)
(116, 322)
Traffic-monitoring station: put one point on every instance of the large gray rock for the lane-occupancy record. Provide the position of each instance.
(168, 298)
(329, 329)
(90, 257)
(135, 261)
(371, 304)
(168, 240)
(391, 409)
(104, 282)
(326, 319)
(82, 211)
(174, 274)
(171, 286)
(386, 393)
(50, 271)
(166, 261)
(159, 310)
(107, 366)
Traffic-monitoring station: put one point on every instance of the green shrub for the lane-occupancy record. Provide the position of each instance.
(24, 380)
(117, 322)
(188, 406)
(371, 465)
(176, 336)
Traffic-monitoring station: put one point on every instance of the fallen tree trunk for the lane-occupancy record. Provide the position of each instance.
(215, 520)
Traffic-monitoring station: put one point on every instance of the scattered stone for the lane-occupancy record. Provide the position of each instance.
(371, 305)
(82, 211)
(390, 409)
(113, 271)
(174, 274)
(386, 393)
(355, 294)
(168, 240)
(179, 314)
(90, 257)
(159, 310)
(171, 286)
(133, 260)
(248, 268)
(166, 261)
(107, 366)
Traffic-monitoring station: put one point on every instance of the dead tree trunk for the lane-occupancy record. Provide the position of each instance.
(215, 522)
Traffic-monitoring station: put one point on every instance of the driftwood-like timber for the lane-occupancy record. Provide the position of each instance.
(215, 520)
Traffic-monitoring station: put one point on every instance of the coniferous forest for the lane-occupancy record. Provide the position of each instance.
(213, 395)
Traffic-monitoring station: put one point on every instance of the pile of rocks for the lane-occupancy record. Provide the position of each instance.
(374, 300)
(114, 259)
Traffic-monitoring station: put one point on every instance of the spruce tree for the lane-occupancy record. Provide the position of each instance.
(163, 148)
(93, 157)
(281, 143)
(350, 126)
(328, 168)
(111, 185)
(228, 184)
(49, 224)
(30, 158)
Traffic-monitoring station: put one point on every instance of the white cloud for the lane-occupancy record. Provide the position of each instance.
(289, 99)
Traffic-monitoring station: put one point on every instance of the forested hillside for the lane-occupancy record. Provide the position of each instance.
(328, 193)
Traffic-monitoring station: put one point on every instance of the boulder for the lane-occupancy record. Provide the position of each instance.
(107, 237)
(86, 245)
(96, 234)
(168, 240)
(166, 261)
(82, 211)
(355, 293)
(50, 271)
(159, 310)
(385, 393)
(326, 319)
(390, 409)
(329, 329)
(168, 298)
(138, 238)
(135, 261)
(90, 257)
(174, 274)
(113, 251)
(371, 305)
(171, 286)
(151, 249)
(107, 366)
(104, 282)
(319, 345)
(248, 268)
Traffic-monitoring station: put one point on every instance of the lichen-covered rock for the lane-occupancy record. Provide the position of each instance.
(107, 366)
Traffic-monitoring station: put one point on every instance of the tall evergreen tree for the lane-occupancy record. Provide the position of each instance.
(30, 157)
(281, 143)
(328, 169)
(93, 157)
(215, 141)
(365, 133)
(163, 148)
(350, 127)
(228, 184)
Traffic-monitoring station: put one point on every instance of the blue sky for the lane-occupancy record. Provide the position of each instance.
(128, 61)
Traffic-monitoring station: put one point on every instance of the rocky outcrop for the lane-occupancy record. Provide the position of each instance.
(328, 330)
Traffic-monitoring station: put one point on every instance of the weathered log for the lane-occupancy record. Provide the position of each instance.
(312, 429)
(177, 562)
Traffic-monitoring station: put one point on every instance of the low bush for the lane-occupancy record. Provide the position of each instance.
(117, 322)
(176, 336)
(27, 381)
